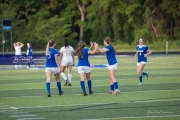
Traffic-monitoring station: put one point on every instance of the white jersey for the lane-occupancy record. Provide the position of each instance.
(18, 50)
(67, 55)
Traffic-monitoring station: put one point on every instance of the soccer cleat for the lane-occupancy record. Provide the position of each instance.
(49, 95)
(111, 92)
(140, 83)
(147, 75)
(67, 81)
(84, 93)
(91, 92)
(69, 84)
(61, 93)
(116, 91)
(27, 67)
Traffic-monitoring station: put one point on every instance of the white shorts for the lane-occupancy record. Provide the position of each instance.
(54, 70)
(142, 62)
(84, 69)
(112, 67)
(67, 62)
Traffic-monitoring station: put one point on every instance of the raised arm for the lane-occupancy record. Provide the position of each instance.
(95, 48)
(102, 50)
(21, 44)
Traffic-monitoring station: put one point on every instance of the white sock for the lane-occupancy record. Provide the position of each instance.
(70, 77)
(15, 66)
(64, 76)
(19, 66)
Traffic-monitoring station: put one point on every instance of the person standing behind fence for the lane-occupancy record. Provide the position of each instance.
(67, 60)
(84, 65)
(142, 51)
(111, 58)
(30, 55)
(17, 47)
(52, 67)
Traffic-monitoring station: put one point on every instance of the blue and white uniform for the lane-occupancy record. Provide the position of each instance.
(111, 58)
(141, 50)
(51, 65)
(83, 62)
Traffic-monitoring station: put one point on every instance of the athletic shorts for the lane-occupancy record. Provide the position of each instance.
(112, 67)
(54, 70)
(84, 69)
(67, 62)
(142, 62)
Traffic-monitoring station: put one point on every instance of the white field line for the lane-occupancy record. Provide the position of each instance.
(160, 100)
(8, 110)
(19, 112)
(95, 93)
(22, 115)
(31, 118)
(134, 117)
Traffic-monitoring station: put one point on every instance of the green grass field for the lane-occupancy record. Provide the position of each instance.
(23, 94)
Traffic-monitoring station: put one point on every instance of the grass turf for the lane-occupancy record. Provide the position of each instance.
(23, 93)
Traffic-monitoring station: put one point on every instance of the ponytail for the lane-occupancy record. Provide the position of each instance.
(81, 45)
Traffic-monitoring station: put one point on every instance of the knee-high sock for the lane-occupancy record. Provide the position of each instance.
(59, 86)
(89, 85)
(64, 76)
(82, 86)
(48, 88)
(112, 87)
(144, 73)
(70, 77)
(116, 85)
(140, 78)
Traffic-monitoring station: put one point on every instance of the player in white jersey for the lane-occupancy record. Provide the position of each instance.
(67, 60)
(17, 47)
(111, 58)
(142, 51)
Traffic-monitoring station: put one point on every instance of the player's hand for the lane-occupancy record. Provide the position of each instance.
(145, 55)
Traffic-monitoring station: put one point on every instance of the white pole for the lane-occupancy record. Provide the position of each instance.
(166, 47)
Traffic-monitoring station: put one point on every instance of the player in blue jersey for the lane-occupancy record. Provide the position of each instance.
(142, 51)
(52, 66)
(111, 58)
(84, 65)
(30, 55)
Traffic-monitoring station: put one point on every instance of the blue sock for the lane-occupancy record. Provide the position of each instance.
(112, 87)
(140, 78)
(116, 85)
(82, 86)
(89, 84)
(144, 73)
(59, 86)
(48, 88)
(29, 64)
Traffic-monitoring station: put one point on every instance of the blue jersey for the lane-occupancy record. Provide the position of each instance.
(83, 61)
(50, 59)
(29, 51)
(110, 55)
(141, 51)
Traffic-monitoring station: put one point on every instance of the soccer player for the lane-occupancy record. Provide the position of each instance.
(17, 47)
(30, 55)
(111, 58)
(52, 66)
(142, 51)
(67, 60)
(84, 65)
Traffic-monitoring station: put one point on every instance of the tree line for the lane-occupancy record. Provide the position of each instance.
(37, 21)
